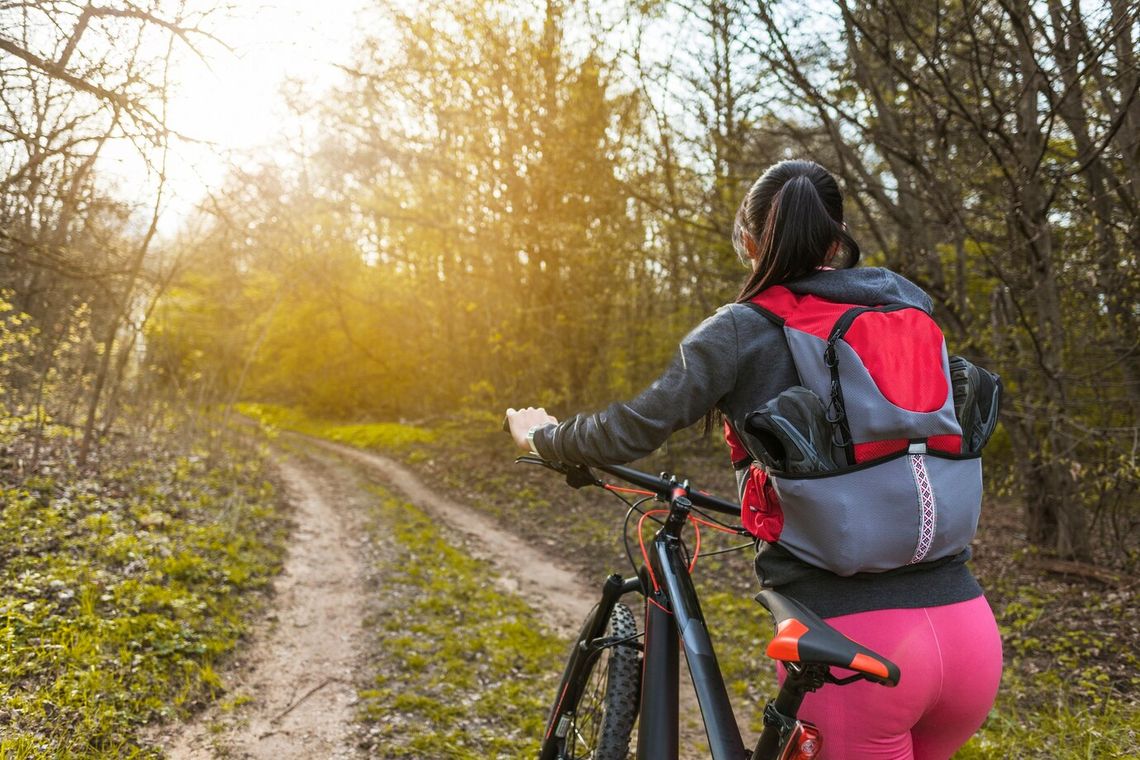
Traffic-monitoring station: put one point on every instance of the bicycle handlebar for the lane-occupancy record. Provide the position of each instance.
(664, 488)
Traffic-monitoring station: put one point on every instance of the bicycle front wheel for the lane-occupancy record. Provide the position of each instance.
(598, 698)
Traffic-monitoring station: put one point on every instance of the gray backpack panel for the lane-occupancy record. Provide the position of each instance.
(899, 511)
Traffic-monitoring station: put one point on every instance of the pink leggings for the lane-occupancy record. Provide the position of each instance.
(950, 660)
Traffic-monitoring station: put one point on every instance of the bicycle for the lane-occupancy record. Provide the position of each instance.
(616, 675)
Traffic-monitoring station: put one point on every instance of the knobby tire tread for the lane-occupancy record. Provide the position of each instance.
(621, 675)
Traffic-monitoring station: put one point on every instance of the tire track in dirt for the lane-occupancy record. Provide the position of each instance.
(299, 669)
(553, 588)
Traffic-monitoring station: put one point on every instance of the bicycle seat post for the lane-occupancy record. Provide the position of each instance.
(780, 714)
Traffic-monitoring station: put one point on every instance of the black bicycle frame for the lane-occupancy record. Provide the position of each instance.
(671, 594)
(673, 618)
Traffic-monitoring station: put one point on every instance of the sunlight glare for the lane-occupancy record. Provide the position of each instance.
(231, 106)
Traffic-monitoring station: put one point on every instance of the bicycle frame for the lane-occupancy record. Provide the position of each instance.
(671, 594)
(674, 619)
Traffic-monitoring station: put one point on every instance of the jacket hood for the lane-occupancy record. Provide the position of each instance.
(865, 286)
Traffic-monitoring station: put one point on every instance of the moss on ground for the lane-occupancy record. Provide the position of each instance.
(462, 670)
(122, 589)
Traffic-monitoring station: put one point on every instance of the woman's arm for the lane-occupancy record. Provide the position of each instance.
(702, 371)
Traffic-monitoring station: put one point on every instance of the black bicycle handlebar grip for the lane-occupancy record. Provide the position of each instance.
(579, 476)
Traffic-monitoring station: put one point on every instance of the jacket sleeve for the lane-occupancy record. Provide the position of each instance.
(702, 371)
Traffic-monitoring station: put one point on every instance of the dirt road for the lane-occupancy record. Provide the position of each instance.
(297, 674)
(292, 691)
(552, 587)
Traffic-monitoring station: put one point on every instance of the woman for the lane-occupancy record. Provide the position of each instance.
(929, 617)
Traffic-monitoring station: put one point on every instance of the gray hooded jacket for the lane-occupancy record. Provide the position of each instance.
(735, 361)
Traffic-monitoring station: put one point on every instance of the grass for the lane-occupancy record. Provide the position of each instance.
(374, 435)
(121, 590)
(1069, 724)
(462, 670)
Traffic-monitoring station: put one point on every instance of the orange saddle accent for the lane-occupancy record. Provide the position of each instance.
(802, 636)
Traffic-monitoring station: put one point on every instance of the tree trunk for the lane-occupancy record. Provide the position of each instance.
(1055, 513)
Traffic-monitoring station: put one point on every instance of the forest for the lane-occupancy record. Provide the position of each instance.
(498, 204)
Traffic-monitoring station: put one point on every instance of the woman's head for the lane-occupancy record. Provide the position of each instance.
(791, 223)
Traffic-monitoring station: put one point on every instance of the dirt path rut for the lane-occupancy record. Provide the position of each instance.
(299, 669)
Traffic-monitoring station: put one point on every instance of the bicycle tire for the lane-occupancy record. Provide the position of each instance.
(599, 696)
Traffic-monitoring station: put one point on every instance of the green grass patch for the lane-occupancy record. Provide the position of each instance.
(1069, 726)
(372, 435)
(121, 591)
(463, 670)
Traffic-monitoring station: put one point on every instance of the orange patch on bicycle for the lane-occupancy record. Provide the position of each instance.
(869, 665)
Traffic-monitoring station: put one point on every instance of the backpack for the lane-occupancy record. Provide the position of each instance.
(864, 466)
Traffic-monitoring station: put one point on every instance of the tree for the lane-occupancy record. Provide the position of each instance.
(466, 218)
(78, 76)
(989, 143)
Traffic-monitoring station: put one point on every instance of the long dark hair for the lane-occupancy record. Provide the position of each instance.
(794, 215)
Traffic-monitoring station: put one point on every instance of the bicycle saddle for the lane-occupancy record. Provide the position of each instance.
(802, 636)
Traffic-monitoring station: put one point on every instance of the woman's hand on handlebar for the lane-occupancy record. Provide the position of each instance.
(522, 420)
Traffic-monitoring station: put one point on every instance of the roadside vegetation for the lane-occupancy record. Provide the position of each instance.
(124, 584)
(461, 669)
(1071, 687)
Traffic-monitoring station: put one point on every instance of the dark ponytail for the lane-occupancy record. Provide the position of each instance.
(794, 217)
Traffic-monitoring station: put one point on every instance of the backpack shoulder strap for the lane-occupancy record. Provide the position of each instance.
(803, 312)
(775, 304)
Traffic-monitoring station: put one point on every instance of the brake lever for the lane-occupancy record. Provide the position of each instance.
(577, 476)
(534, 459)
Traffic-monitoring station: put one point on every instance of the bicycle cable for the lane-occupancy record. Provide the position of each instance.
(633, 507)
(738, 529)
(738, 547)
(704, 519)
